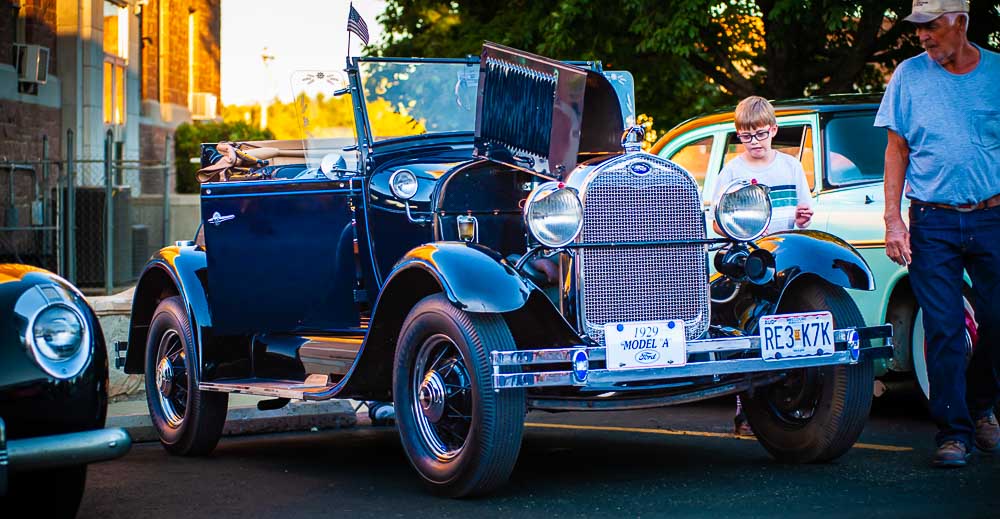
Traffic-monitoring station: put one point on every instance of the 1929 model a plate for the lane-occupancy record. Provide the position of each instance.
(796, 335)
(646, 344)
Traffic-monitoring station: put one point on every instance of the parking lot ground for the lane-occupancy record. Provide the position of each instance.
(677, 462)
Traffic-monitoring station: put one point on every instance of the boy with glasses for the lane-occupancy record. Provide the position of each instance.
(756, 125)
(782, 173)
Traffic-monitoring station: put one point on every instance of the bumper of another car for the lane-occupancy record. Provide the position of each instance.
(849, 343)
(59, 450)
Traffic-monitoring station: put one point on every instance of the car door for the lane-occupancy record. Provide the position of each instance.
(281, 255)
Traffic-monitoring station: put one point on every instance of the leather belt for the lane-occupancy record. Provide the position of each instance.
(992, 201)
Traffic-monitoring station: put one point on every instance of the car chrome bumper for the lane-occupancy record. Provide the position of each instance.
(59, 450)
(847, 342)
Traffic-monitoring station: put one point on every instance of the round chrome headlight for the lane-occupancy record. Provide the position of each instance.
(58, 332)
(743, 211)
(403, 184)
(554, 214)
(58, 338)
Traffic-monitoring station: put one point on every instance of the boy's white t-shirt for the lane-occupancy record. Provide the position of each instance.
(786, 178)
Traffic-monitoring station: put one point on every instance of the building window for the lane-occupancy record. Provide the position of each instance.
(115, 62)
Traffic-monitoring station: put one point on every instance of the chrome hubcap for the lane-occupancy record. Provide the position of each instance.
(432, 396)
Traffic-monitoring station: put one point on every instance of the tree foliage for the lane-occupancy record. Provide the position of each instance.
(687, 56)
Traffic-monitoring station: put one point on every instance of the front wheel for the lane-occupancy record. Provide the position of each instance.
(814, 414)
(918, 343)
(461, 435)
(188, 421)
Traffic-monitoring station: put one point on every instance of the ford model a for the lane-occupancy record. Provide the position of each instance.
(513, 252)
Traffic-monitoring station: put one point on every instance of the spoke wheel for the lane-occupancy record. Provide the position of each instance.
(187, 420)
(460, 435)
(171, 378)
(442, 396)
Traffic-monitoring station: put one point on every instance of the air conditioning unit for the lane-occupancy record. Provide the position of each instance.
(31, 62)
(203, 105)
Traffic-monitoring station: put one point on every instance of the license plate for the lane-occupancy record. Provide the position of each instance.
(647, 344)
(796, 335)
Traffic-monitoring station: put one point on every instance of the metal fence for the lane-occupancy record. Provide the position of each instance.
(94, 221)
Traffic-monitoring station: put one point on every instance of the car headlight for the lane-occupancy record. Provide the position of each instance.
(58, 339)
(554, 214)
(58, 332)
(403, 184)
(743, 211)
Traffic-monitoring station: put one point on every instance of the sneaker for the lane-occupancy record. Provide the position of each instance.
(987, 433)
(951, 454)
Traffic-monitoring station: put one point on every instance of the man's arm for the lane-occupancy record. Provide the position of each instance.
(897, 236)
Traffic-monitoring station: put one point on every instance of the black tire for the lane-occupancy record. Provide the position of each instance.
(815, 414)
(57, 491)
(443, 357)
(188, 421)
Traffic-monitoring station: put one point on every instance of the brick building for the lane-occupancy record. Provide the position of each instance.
(136, 68)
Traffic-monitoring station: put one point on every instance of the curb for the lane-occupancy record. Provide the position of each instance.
(242, 420)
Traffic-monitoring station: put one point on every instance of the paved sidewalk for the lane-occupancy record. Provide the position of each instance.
(128, 407)
(244, 417)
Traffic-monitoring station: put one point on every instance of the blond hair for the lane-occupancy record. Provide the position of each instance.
(754, 112)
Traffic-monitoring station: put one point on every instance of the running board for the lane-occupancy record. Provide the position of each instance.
(293, 389)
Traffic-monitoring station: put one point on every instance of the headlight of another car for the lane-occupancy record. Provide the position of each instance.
(58, 332)
(743, 212)
(554, 214)
(59, 340)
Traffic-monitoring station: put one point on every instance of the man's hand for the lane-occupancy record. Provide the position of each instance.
(803, 215)
(897, 241)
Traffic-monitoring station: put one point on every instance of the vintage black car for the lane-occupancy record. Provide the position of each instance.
(515, 251)
(53, 394)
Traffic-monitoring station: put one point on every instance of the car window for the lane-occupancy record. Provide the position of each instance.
(694, 157)
(855, 149)
(787, 140)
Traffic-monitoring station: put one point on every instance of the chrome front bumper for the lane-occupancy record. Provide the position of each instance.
(847, 343)
(59, 450)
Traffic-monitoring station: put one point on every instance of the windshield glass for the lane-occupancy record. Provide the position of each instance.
(416, 98)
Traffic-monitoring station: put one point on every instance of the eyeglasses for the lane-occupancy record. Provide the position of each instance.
(759, 135)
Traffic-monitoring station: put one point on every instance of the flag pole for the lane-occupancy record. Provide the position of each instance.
(350, 6)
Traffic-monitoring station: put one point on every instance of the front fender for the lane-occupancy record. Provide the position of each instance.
(171, 271)
(472, 277)
(797, 253)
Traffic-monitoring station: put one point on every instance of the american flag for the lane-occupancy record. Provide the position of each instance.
(357, 25)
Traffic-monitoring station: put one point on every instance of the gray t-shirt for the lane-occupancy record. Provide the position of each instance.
(951, 123)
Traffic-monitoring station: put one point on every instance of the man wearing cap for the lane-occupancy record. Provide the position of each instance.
(942, 113)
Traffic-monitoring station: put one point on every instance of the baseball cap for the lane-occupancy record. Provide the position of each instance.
(927, 10)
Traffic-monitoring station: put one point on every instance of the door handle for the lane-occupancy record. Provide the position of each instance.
(217, 218)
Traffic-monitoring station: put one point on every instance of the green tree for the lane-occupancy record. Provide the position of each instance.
(687, 56)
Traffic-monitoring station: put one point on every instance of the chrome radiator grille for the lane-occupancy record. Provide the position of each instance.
(643, 283)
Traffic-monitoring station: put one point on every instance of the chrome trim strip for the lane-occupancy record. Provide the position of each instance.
(60, 450)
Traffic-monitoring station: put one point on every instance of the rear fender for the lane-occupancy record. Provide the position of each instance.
(172, 271)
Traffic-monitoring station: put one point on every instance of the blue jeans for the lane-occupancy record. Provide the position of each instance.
(943, 243)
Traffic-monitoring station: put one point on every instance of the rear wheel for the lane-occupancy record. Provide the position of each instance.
(918, 342)
(814, 414)
(461, 435)
(188, 421)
